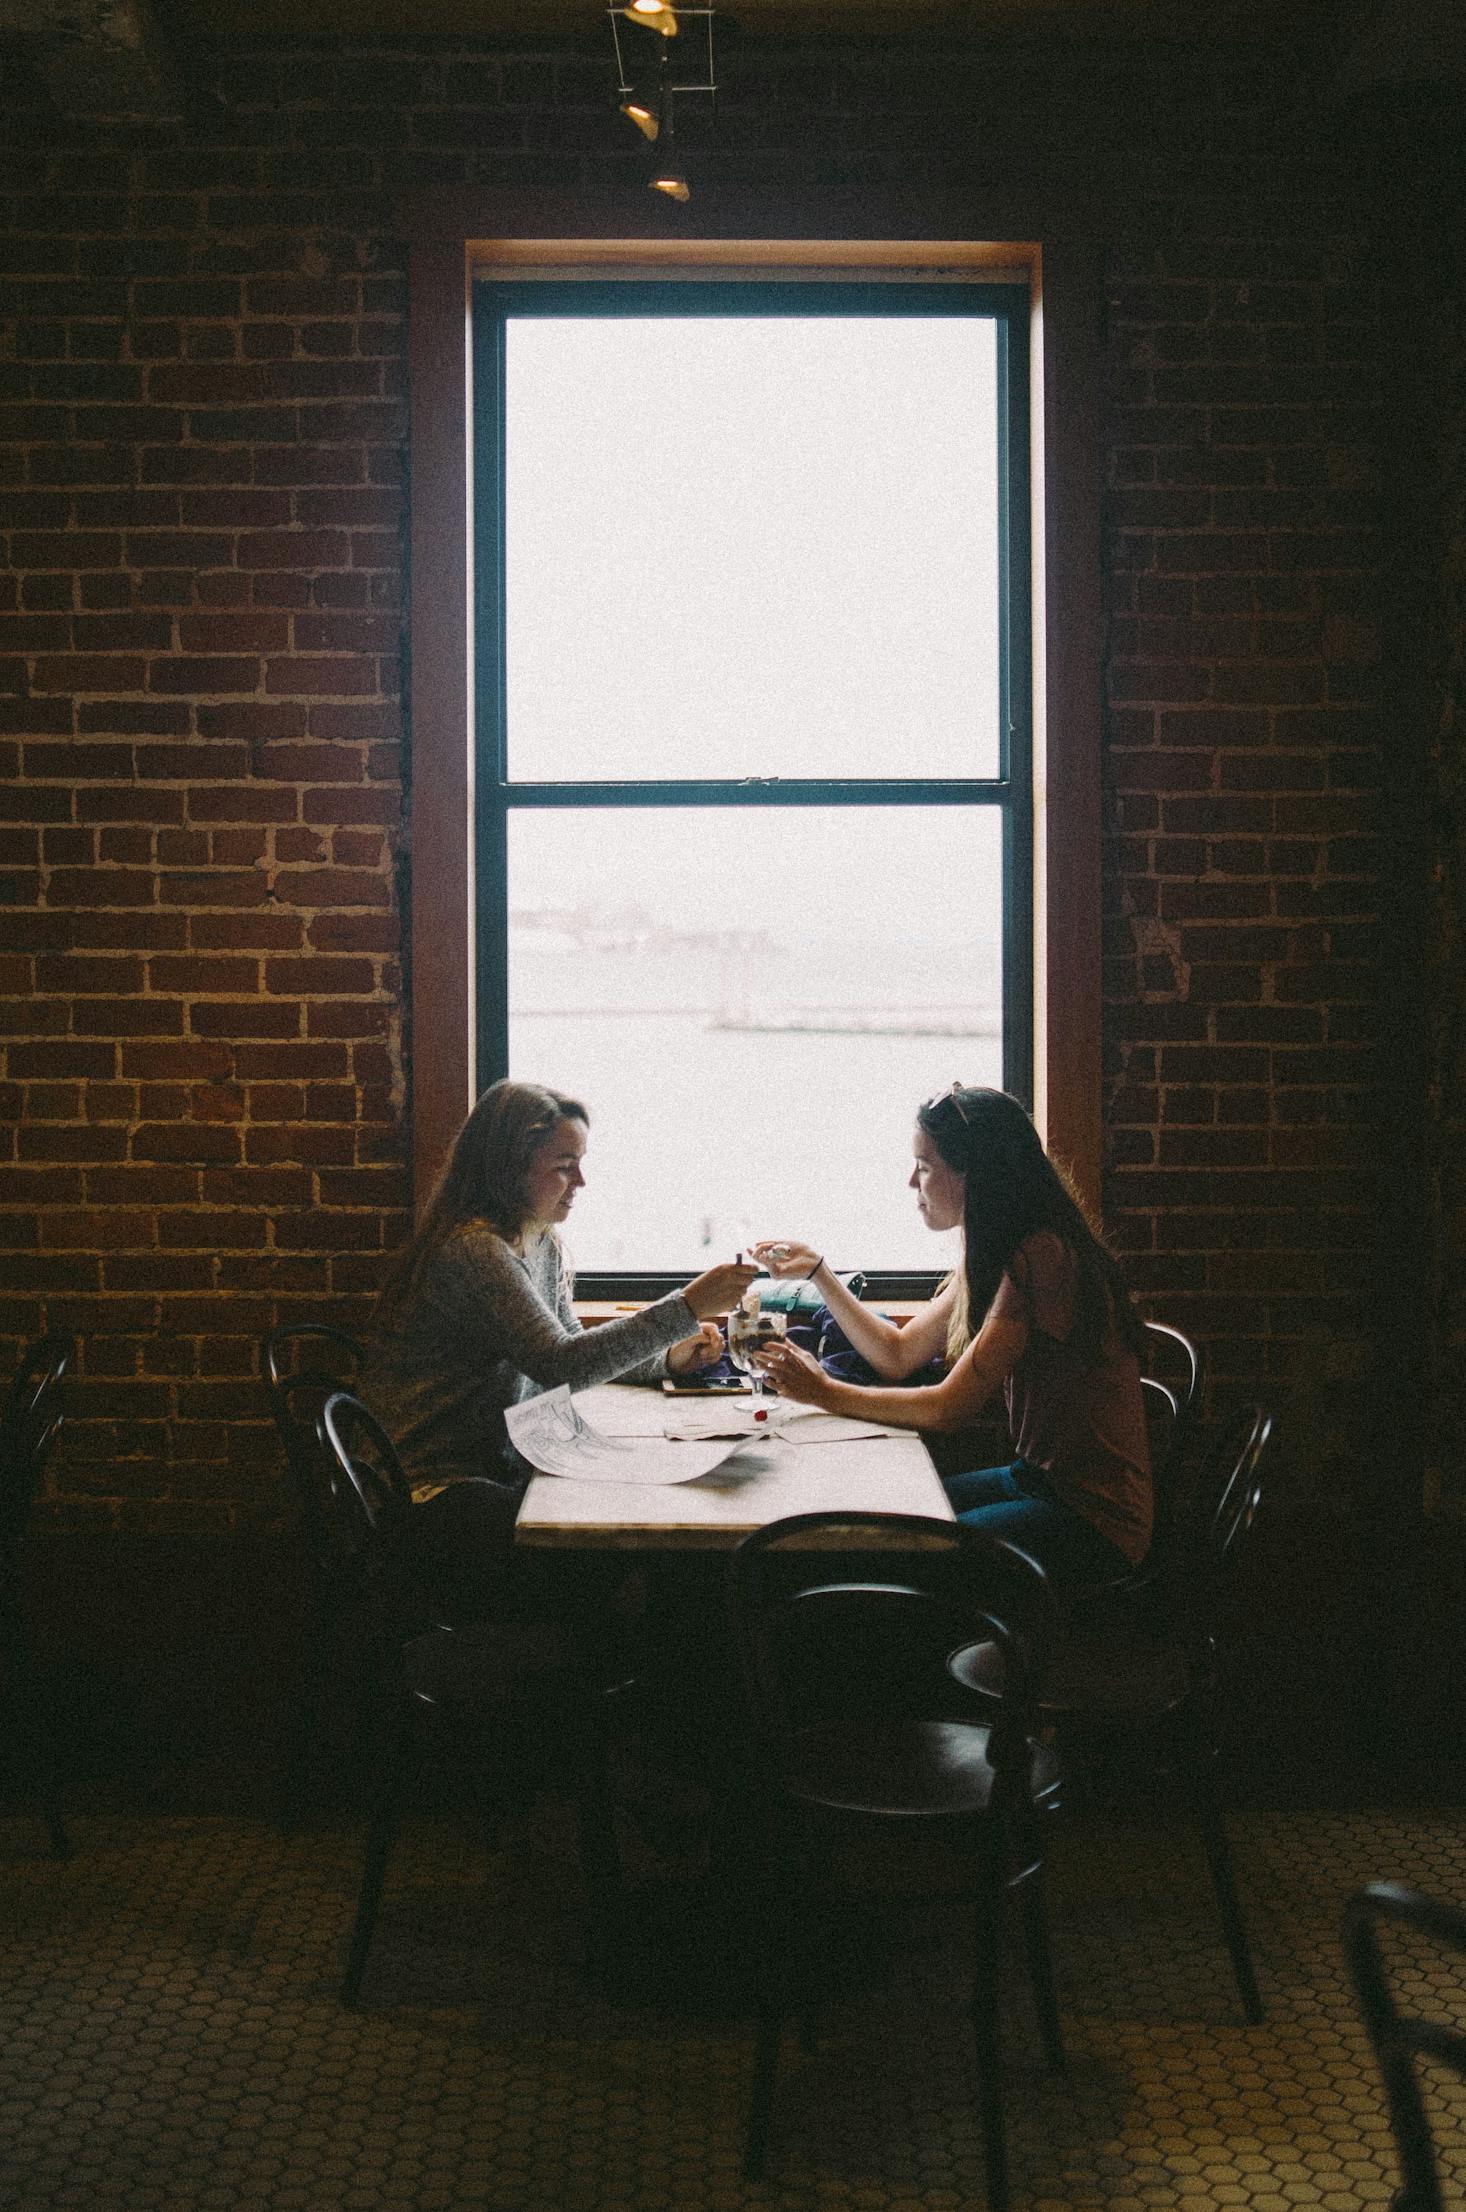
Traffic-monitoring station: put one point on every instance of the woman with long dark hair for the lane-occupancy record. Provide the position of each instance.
(1038, 1309)
(477, 1314)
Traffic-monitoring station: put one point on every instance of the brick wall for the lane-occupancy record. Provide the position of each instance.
(202, 464)
(1447, 949)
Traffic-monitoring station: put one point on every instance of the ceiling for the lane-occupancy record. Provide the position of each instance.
(536, 22)
(122, 60)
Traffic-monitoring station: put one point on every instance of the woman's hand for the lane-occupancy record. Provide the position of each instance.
(795, 1375)
(703, 1350)
(785, 1259)
(719, 1290)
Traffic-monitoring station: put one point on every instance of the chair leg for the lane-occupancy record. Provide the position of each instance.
(774, 1900)
(380, 1837)
(56, 1830)
(761, 2097)
(600, 1862)
(303, 1732)
(1219, 1858)
(1041, 1967)
(1199, 1758)
(986, 2024)
(35, 1743)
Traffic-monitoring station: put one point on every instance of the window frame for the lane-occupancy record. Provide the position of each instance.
(497, 301)
(454, 234)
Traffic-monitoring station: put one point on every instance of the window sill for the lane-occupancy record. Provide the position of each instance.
(593, 1311)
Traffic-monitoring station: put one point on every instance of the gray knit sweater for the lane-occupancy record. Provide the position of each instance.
(485, 1328)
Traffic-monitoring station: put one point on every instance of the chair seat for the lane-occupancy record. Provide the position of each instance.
(1119, 1669)
(934, 1769)
(490, 1665)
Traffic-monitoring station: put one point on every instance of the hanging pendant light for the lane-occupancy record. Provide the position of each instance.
(654, 15)
(669, 179)
(666, 176)
(652, 115)
(642, 113)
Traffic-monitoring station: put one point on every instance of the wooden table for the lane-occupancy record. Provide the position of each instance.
(763, 1482)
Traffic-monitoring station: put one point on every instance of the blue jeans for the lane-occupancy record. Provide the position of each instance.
(1017, 1502)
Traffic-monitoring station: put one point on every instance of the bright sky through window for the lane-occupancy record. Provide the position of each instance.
(750, 547)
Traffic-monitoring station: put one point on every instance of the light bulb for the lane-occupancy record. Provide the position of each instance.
(655, 15)
(644, 117)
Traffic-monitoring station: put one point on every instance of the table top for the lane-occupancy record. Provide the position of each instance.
(762, 1482)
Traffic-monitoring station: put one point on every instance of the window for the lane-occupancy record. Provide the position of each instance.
(753, 818)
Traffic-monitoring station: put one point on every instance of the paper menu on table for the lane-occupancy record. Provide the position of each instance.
(814, 1427)
(554, 1436)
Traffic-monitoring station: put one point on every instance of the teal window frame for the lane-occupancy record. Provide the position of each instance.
(497, 795)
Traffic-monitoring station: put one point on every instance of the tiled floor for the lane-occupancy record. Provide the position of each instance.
(170, 2039)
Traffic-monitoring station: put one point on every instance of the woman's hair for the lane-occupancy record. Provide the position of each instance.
(486, 1177)
(1011, 1189)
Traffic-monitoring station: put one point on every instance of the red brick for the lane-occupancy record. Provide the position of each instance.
(244, 1018)
(295, 549)
(88, 672)
(229, 887)
(110, 1229)
(306, 676)
(222, 672)
(131, 1184)
(149, 929)
(290, 1063)
(300, 977)
(246, 631)
(130, 1017)
(355, 933)
(314, 1146)
(67, 1143)
(263, 932)
(209, 1232)
(331, 887)
(201, 1142)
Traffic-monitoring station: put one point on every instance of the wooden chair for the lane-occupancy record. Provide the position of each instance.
(876, 1753)
(488, 1697)
(1144, 1674)
(1399, 2038)
(29, 1427)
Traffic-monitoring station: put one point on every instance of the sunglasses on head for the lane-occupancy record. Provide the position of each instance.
(952, 1098)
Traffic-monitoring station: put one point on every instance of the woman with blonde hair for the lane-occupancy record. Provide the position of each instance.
(1038, 1310)
(477, 1314)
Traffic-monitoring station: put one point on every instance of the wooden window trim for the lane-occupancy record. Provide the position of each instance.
(453, 235)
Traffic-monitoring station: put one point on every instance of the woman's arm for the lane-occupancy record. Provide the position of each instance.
(496, 1305)
(893, 1352)
(953, 1403)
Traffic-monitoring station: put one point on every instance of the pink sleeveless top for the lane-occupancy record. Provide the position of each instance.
(1079, 1417)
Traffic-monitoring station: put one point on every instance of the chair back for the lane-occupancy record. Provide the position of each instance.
(862, 1625)
(1173, 1366)
(29, 1427)
(1214, 1524)
(1399, 2038)
(373, 1484)
(303, 1364)
(365, 1458)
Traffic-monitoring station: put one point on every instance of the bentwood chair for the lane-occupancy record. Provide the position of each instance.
(837, 1753)
(501, 1699)
(1174, 1366)
(302, 1364)
(1399, 2038)
(1153, 1676)
(29, 1427)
